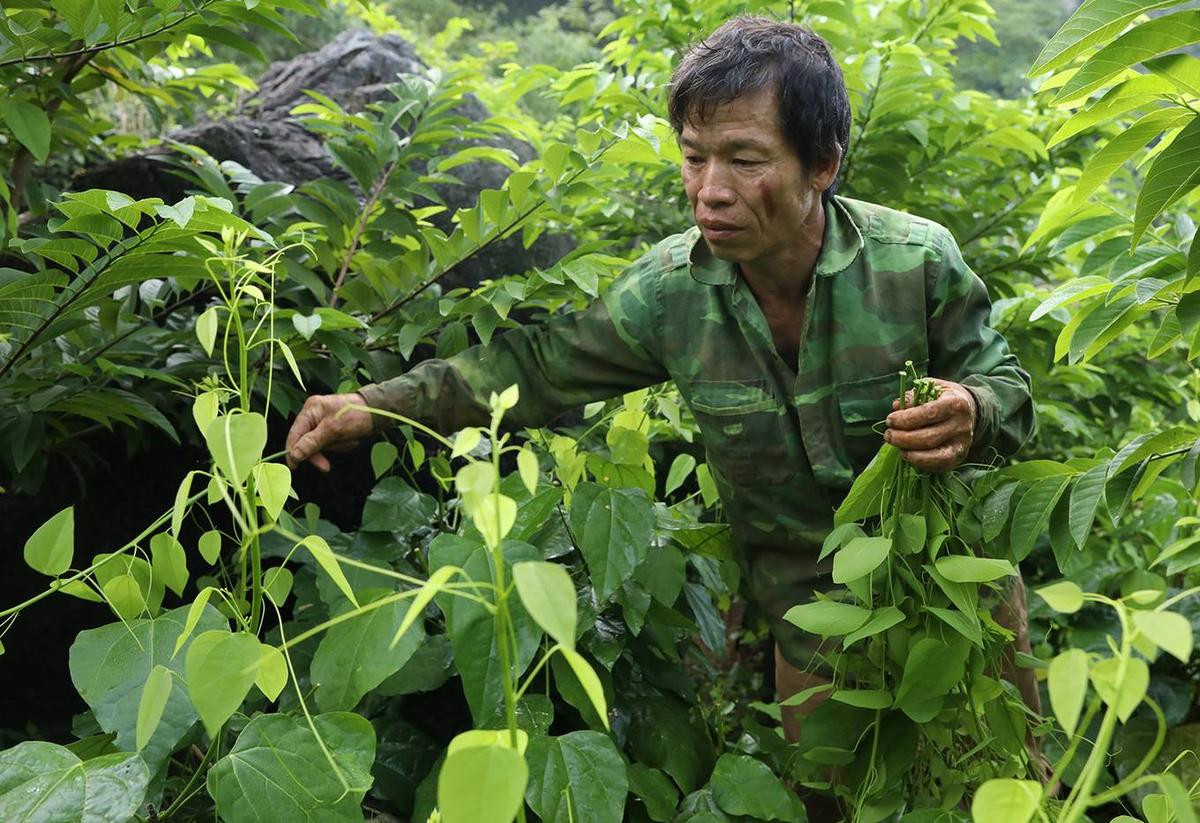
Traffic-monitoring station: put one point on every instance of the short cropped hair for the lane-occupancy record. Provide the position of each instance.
(750, 54)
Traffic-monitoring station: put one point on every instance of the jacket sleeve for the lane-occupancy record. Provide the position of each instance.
(610, 348)
(966, 349)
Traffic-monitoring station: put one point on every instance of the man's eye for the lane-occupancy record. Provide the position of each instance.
(743, 161)
(693, 160)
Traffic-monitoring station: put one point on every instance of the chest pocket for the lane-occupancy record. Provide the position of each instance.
(742, 423)
(863, 405)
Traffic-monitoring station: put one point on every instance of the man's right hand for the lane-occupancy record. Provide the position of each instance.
(319, 428)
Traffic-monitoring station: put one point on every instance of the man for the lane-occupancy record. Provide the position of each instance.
(783, 318)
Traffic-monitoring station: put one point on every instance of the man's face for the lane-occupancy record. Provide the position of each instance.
(751, 196)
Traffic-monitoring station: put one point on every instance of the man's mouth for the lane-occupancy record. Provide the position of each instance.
(718, 229)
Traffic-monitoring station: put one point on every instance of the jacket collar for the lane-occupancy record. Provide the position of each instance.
(841, 245)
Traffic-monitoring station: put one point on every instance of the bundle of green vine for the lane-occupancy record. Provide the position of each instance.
(917, 709)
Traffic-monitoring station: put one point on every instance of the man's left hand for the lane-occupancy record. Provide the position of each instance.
(937, 435)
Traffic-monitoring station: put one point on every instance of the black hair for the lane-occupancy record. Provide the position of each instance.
(751, 54)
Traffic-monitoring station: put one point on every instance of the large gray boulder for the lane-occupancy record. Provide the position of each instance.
(355, 69)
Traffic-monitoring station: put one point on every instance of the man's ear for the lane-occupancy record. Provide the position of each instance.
(824, 175)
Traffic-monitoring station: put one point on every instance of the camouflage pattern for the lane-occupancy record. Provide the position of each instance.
(784, 440)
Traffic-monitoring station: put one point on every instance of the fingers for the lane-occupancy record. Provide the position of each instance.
(940, 459)
(306, 421)
(928, 437)
(927, 414)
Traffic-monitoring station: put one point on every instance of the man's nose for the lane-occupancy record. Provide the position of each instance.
(714, 187)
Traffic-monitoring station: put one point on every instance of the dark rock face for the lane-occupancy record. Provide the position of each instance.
(354, 70)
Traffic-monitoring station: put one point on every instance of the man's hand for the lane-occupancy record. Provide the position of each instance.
(937, 435)
(319, 427)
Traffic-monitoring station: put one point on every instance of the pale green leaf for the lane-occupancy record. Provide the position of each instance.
(1124, 692)
(1004, 800)
(590, 682)
(169, 561)
(155, 695)
(236, 443)
(206, 329)
(1169, 631)
(859, 557)
(964, 569)
(1067, 680)
(273, 482)
(49, 550)
(1064, 596)
(221, 667)
(482, 784)
(548, 594)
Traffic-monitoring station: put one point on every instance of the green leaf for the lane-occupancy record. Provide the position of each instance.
(1125, 693)
(206, 329)
(613, 527)
(1150, 39)
(1032, 514)
(273, 482)
(963, 569)
(548, 594)
(880, 620)
(682, 466)
(932, 668)
(357, 655)
(236, 443)
(1095, 21)
(655, 790)
(427, 592)
(472, 629)
(1064, 596)
(860, 557)
(306, 326)
(966, 625)
(1067, 679)
(1180, 798)
(578, 776)
(590, 682)
(1117, 151)
(325, 558)
(1169, 631)
(1086, 494)
(180, 507)
(279, 770)
(272, 672)
(863, 698)
(277, 583)
(742, 785)
(221, 667)
(46, 782)
(154, 698)
(826, 617)
(1176, 171)
(169, 561)
(124, 594)
(383, 457)
(110, 666)
(494, 518)
(862, 501)
(1005, 800)
(209, 546)
(29, 124)
(527, 468)
(482, 784)
(49, 550)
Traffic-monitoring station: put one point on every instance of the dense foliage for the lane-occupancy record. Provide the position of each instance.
(547, 623)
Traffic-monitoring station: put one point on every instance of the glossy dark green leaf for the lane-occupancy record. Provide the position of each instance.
(356, 655)
(742, 785)
(110, 665)
(577, 776)
(613, 528)
(277, 770)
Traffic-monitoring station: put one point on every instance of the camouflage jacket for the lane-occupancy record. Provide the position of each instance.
(784, 440)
